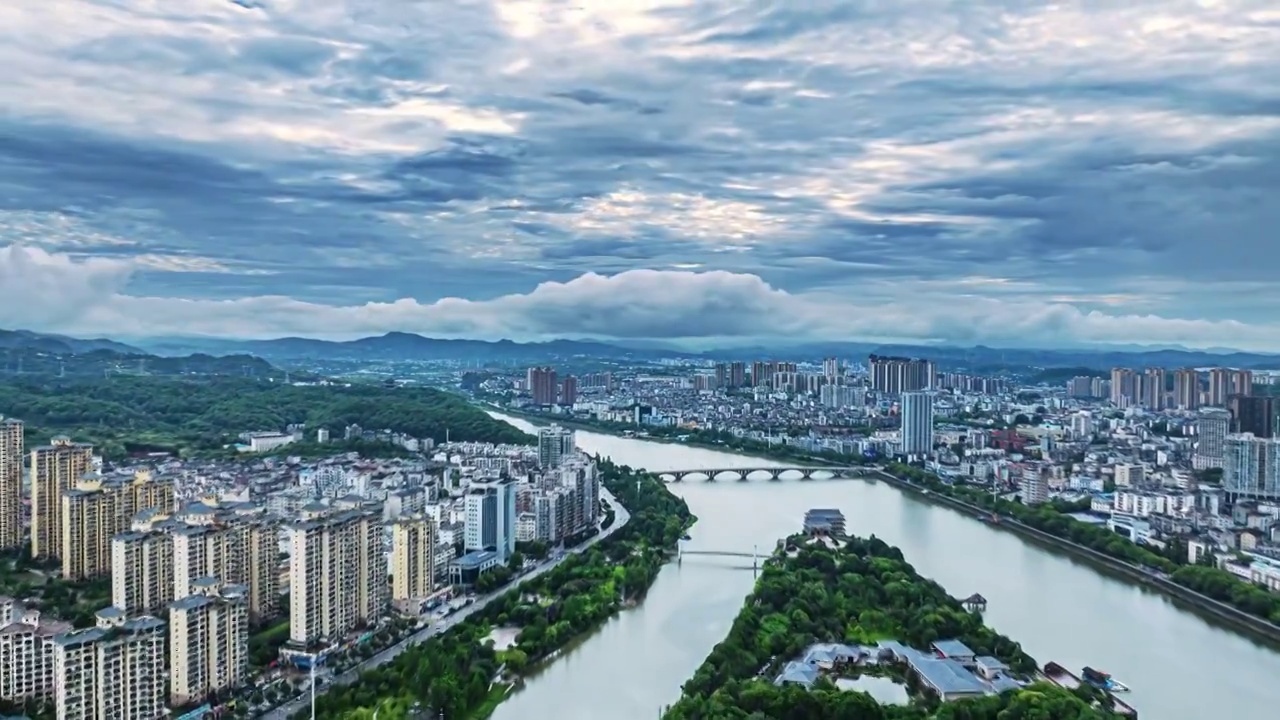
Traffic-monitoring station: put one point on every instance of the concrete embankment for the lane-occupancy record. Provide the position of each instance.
(1250, 624)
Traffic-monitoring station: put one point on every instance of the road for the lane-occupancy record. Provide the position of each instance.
(621, 518)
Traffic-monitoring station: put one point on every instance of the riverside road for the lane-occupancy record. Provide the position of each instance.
(621, 517)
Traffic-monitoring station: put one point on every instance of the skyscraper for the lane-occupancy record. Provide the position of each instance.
(208, 641)
(412, 550)
(96, 510)
(491, 517)
(1212, 427)
(337, 574)
(569, 391)
(1186, 389)
(55, 468)
(917, 423)
(542, 385)
(112, 673)
(831, 368)
(1219, 386)
(737, 374)
(1124, 387)
(142, 572)
(554, 443)
(1255, 415)
(897, 375)
(1251, 467)
(10, 483)
(1153, 389)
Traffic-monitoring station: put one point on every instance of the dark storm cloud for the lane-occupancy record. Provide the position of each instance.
(349, 152)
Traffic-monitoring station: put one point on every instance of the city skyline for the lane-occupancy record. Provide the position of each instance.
(989, 172)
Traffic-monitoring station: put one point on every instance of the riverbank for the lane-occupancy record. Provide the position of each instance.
(1229, 615)
(456, 673)
(1123, 558)
(866, 608)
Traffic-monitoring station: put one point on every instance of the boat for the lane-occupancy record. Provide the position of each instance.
(1103, 681)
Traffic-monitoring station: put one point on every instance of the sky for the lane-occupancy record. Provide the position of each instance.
(1007, 172)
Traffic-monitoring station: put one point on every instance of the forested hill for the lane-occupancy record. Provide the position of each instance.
(205, 413)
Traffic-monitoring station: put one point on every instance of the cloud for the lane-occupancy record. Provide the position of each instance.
(675, 304)
(1113, 165)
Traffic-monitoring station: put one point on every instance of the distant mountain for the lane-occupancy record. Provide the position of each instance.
(24, 353)
(408, 346)
(60, 344)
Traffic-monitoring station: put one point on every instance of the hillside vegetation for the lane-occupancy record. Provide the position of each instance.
(124, 414)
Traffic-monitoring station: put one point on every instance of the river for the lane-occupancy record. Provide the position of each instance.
(1179, 666)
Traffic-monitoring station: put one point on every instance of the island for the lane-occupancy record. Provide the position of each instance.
(843, 628)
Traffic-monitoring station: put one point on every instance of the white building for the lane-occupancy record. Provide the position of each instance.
(268, 441)
(554, 443)
(112, 673)
(917, 423)
(1140, 504)
(1251, 467)
(491, 517)
(1035, 486)
(1212, 426)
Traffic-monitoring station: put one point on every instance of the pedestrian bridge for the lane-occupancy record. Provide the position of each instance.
(771, 474)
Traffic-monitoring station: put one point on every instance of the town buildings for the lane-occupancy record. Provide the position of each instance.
(112, 672)
(11, 443)
(337, 572)
(55, 469)
(412, 558)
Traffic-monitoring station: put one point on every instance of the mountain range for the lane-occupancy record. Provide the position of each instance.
(408, 346)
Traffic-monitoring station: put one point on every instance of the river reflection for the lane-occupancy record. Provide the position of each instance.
(1179, 666)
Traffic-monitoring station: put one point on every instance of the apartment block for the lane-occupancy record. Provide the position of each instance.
(11, 535)
(337, 574)
(142, 572)
(55, 468)
(412, 558)
(112, 673)
(26, 652)
(98, 509)
(208, 641)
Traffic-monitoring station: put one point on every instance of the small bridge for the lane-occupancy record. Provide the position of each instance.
(772, 474)
(756, 557)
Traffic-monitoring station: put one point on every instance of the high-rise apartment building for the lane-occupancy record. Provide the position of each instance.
(11, 535)
(412, 557)
(55, 468)
(491, 517)
(897, 375)
(208, 641)
(26, 652)
(238, 551)
(142, 572)
(1034, 485)
(917, 423)
(569, 391)
(1255, 415)
(1251, 467)
(542, 385)
(1125, 387)
(1154, 394)
(554, 444)
(1212, 427)
(1186, 389)
(737, 374)
(1225, 382)
(98, 509)
(112, 673)
(337, 574)
(831, 368)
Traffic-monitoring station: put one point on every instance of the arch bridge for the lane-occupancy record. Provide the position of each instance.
(771, 474)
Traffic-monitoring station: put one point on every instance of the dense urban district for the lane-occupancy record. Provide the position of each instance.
(360, 539)
(1175, 473)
